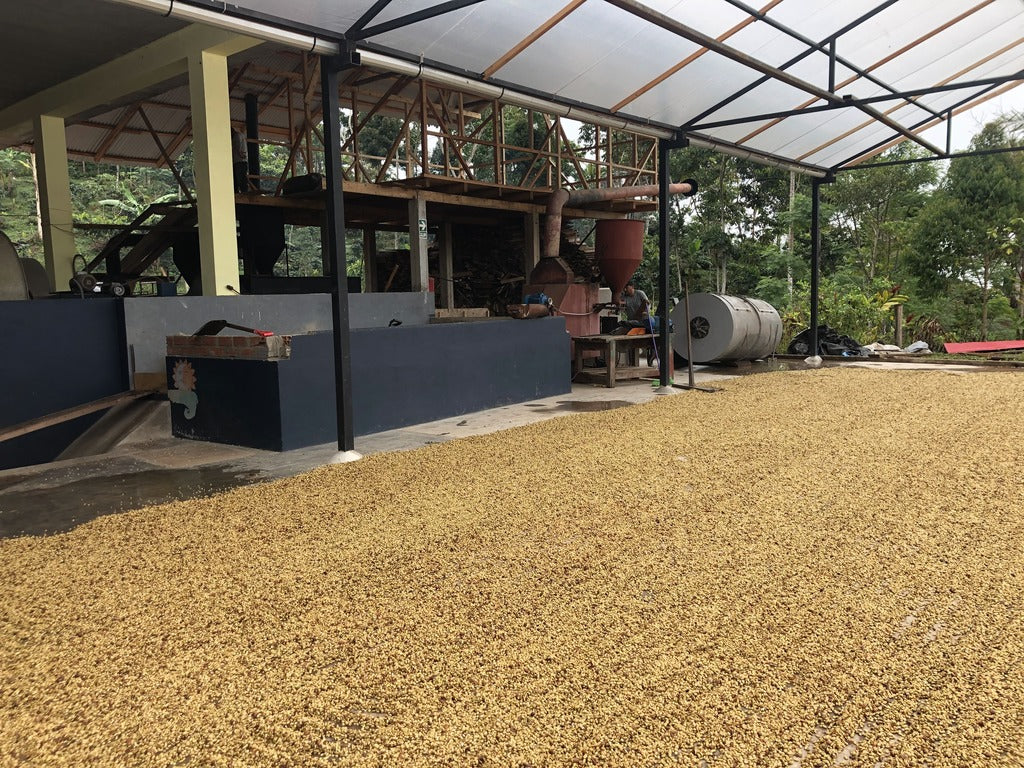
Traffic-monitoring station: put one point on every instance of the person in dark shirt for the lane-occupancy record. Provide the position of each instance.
(638, 306)
(638, 313)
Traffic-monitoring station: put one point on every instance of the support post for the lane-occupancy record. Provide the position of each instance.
(215, 194)
(55, 200)
(418, 244)
(329, 69)
(445, 259)
(369, 260)
(531, 239)
(664, 341)
(815, 262)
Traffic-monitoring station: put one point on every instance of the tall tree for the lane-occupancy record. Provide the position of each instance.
(873, 213)
(980, 195)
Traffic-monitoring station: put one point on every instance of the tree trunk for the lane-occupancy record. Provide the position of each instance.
(984, 297)
(39, 210)
(792, 234)
(1020, 290)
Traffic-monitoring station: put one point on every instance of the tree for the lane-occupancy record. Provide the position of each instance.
(873, 211)
(980, 196)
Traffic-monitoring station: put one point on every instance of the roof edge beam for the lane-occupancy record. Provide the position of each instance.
(160, 60)
(901, 95)
(745, 153)
(239, 24)
(913, 160)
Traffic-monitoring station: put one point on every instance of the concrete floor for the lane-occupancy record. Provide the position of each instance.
(150, 466)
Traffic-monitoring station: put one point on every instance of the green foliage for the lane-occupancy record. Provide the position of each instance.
(965, 234)
(18, 203)
(843, 307)
(872, 213)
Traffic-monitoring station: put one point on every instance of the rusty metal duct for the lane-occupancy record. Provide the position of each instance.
(561, 197)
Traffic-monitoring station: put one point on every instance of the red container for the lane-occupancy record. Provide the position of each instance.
(619, 248)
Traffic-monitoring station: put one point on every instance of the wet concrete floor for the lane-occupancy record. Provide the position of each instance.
(46, 510)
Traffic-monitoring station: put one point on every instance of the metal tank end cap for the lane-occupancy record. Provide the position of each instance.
(343, 457)
(814, 361)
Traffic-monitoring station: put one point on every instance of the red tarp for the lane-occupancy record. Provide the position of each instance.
(983, 346)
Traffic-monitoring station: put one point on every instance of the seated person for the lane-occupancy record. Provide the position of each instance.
(638, 306)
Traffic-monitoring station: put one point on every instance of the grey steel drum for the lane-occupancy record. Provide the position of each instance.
(727, 328)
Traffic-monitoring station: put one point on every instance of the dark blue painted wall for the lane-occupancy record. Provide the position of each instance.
(401, 376)
(58, 353)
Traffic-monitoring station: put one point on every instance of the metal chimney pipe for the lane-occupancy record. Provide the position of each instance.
(561, 197)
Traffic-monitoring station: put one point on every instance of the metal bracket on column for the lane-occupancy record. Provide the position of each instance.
(681, 141)
(346, 58)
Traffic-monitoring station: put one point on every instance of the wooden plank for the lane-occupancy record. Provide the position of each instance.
(59, 417)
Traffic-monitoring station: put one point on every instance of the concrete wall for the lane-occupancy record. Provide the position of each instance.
(149, 320)
(400, 376)
(58, 353)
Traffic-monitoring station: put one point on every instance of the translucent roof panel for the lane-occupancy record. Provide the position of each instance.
(469, 39)
(743, 75)
(602, 57)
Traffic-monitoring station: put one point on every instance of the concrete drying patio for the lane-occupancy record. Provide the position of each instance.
(804, 569)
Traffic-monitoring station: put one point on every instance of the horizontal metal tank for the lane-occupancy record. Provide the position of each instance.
(725, 328)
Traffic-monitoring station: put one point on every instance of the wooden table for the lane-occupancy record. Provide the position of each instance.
(610, 345)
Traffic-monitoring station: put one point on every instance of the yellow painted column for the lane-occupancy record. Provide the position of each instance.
(215, 189)
(51, 149)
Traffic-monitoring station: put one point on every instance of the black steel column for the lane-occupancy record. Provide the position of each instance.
(664, 306)
(816, 185)
(815, 261)
(330, 66)
(252, 138)
(663, 338)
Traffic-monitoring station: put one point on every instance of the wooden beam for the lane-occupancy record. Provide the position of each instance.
(690, 59)
(530, 39)
(59, 417)
(111, 137)
(166, 157)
